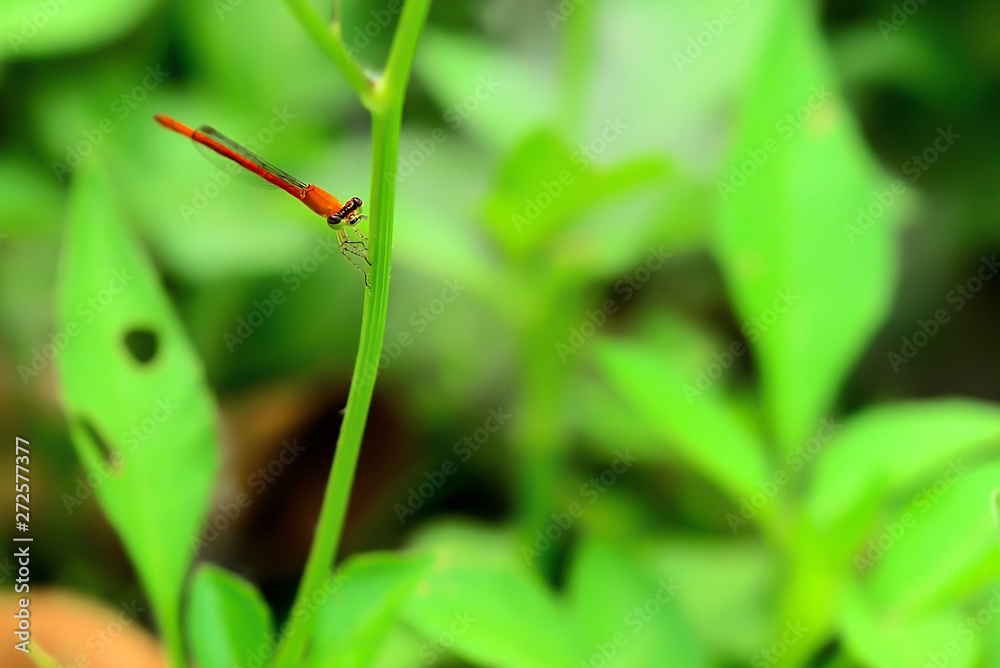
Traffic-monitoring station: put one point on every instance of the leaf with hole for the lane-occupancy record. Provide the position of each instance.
(140, 414)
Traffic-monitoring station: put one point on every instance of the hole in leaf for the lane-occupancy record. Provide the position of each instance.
(98, 441)
(142, 343)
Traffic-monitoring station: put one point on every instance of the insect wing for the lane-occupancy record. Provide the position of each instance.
(252, 157)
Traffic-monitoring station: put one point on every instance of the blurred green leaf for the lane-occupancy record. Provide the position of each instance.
(889, 448)
(728, 590)
(915, 566)
(400, 646)
(628, 617)
(141, 418)
(658, 382)
(911, 60)
(496, 94)
(543, 188)
(701, 68)
(32, 28)
(354, 624)
(809, 285)
(228, 621)
(493, 608)
(255, 55)
(23, 184)
(883, 639)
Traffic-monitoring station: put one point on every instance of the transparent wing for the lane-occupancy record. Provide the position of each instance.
(232, 168)
(250, 156)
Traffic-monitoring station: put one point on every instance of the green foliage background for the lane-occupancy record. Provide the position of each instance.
(635, 227)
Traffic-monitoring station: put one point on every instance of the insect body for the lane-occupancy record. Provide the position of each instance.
(340, 217)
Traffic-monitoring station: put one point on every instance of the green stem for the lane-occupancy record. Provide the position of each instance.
(385, 102)
(540, 437)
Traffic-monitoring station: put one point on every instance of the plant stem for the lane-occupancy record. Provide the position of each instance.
(385, 101)
(540, 443)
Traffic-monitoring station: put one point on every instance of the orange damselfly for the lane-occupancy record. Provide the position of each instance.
(340, 217)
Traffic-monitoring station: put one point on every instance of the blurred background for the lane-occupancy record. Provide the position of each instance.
(651, 258)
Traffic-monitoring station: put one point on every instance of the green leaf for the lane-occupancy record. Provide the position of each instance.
(33, 28)
(399, 647)
(629, 617)
(890, 448)
(809, 285)
(228, 621)
(943, 546)
(657, 379)
(727, 590)
(23, 185)
(884, 639)
(496, 611)
(543, 189)
(353, 625)
(142, 422)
